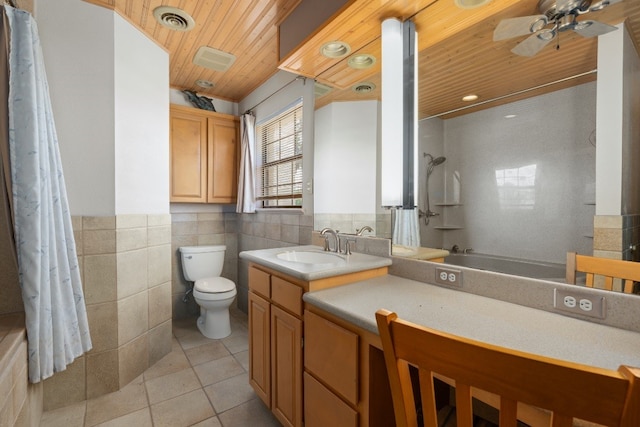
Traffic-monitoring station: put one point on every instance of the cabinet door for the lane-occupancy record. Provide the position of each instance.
(223, 160)
(259, 347)
(188, 156)
(286, 367)
(323, 408)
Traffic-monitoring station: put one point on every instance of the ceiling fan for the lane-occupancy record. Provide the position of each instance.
(556, 16)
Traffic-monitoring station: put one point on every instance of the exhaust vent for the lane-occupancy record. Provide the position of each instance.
(213, 59)
(321, 89)
(174, 18)
(363, 88)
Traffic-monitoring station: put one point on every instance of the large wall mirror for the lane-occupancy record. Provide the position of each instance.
(511, 174)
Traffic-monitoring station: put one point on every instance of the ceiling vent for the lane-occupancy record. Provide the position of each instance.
(213, 59)
(174, 18)
(363, 88)
(321, 89)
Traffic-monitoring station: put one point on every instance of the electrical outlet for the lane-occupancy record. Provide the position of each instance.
(579, 301)
(448, 276)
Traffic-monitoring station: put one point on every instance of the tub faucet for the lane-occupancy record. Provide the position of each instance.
(467, 250)
(455, 249)
(363, 229)
(334, 233)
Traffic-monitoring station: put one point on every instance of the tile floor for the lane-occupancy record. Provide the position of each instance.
(202, 382)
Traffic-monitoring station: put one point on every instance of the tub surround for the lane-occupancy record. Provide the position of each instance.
(481, 318)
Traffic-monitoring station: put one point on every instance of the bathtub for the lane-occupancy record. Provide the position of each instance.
(514, 266)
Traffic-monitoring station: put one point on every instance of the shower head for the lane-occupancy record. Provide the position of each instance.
(434, 161)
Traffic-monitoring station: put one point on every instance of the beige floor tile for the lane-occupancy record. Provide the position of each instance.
(238, 341)
(69, 416)
(253, 413)
(230, 393)
(210, 422)
(184, 326)
(141, 418)
(218, 370)
(172, 385)
(206, 353)
(172, 362)
(183, 410)
(193, 339)
(129, 399)
(243, 359)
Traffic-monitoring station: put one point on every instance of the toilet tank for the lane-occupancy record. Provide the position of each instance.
(202, 261)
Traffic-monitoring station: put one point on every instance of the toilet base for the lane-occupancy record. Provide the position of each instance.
(214, 324)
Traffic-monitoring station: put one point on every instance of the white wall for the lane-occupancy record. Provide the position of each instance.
(631, 128)
(78, 48)
(109, 89)
(554, 132)
(141, 122)
(345, 158)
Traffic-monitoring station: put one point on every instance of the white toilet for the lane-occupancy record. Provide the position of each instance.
(214, 294)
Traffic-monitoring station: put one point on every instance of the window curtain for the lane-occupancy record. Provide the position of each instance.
(406, 230)
(55, 313)
(246, 176)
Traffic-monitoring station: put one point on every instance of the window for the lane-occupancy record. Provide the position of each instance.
(280, 163)
(517, 187)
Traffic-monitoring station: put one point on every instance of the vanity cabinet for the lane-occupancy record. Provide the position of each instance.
(204, 149)
(276, 352)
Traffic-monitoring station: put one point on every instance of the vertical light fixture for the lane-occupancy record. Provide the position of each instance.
(399, 186)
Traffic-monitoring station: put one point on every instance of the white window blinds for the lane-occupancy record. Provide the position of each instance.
(280, 164)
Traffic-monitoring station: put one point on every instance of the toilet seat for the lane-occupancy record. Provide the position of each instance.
(214, 285)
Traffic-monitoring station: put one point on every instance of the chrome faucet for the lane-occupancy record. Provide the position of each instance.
(334, 233)
(455, 249)
(363, 229)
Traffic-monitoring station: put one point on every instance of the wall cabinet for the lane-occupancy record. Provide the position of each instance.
(276, 350)
(204, 156)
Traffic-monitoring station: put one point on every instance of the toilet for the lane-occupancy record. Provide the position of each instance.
(202, 265)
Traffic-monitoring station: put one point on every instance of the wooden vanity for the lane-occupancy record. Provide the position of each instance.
(276, 333)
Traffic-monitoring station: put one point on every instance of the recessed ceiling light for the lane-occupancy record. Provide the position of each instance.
(469, 98)
(335, 49)
(205, 84)
(361, 61)
(174, 18)
(470, 4)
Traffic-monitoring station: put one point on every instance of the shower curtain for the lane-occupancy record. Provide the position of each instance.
(55, 313)
(406, 230)
(246, 179)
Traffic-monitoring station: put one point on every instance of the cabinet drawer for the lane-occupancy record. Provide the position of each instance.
(323, 408)
(287, 295)
(259, 282)
(331, 355)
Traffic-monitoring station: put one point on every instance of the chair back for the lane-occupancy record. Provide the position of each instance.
(610, 269)
(567, 390)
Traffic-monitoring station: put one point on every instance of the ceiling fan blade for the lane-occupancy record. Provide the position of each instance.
(593, 28)
(531, 45)
(514, 27)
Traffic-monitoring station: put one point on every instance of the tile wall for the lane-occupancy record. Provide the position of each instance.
(616, 237)
(126, 268)
(349, 223)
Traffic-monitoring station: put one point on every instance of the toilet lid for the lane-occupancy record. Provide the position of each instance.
(214, 285)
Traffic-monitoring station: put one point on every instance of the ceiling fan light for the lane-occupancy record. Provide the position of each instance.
(582, 25)
(539, 24)
(470, 4)
(546, 35)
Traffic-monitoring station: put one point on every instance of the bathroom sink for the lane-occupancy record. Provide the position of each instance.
(312, 257)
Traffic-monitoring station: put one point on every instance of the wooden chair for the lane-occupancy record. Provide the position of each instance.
(627, 271)
(567, 390)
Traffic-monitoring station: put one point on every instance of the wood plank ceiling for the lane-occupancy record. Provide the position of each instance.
(457, 54)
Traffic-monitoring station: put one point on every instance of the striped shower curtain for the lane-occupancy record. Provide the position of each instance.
(55, 313)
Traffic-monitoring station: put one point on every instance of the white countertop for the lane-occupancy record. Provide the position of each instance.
(308, 272)
(481, 318)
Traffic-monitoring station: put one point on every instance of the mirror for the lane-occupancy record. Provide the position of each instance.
(517, 199)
